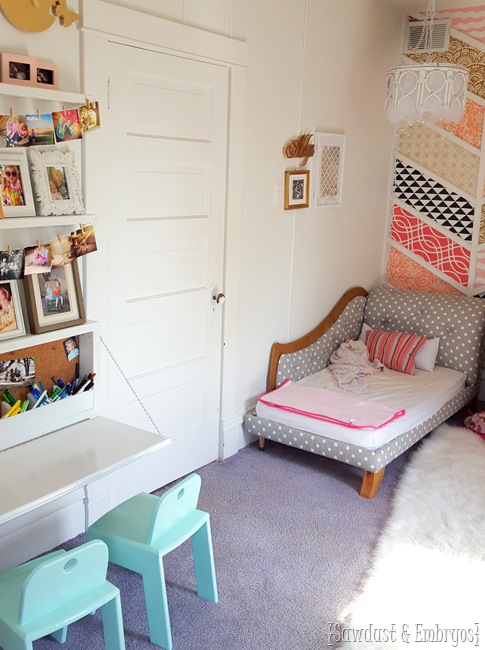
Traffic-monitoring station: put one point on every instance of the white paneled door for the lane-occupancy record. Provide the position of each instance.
(167, 124)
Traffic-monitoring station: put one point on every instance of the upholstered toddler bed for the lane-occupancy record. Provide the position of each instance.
(446, 378)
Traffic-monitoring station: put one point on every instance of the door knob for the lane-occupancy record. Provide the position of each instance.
(220, 298)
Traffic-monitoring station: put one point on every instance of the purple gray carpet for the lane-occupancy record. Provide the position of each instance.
(292, 541)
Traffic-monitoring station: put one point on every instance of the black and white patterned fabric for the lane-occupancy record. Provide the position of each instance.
(434, 200)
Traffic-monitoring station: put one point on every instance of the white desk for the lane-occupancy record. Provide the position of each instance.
(52, 487)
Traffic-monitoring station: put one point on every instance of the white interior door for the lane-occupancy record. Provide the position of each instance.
(167, 124)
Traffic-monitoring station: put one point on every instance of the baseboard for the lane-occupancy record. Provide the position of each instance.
(233, 437)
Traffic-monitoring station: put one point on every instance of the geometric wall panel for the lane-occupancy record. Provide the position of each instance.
(441, 156)
(434, 200)
(461, 53)
(470, 127)
(468, 20)
(405, 273)
(448, 257)
(481, 238)
(480, 270)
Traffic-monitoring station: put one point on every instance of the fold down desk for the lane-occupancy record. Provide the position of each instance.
(53, 487)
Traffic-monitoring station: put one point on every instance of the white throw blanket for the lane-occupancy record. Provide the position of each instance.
(351, 366)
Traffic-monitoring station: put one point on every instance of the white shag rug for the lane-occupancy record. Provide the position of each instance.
(426, 586)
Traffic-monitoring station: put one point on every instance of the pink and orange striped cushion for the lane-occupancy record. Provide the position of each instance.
(396, 350)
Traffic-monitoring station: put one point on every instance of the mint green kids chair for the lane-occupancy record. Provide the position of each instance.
(45, 595)
(140, 531)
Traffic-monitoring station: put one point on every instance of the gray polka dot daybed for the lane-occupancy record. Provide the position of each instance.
(458, 322)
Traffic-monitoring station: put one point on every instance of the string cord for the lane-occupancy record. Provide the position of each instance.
(120, 370)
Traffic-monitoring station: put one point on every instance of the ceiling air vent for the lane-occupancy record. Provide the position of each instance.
(421, 36)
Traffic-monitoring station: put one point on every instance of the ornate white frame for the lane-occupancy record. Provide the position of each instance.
(40, 161)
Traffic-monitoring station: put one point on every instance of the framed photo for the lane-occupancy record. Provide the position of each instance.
(46, 75)
(18, 69)
(56, 182)
(16, 192)
(327, 169)
(297, 189)
(54, 299)
(11, 319)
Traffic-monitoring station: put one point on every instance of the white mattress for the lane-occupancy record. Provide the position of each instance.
(421, 395)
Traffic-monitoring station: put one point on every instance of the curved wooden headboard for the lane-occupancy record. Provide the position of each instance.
(278, 349)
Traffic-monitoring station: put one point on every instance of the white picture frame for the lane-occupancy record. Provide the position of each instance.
(13, 326)
(327, 169)
(56, 182)
(16, 160)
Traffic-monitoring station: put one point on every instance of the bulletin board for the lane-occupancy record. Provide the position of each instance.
(50, 360)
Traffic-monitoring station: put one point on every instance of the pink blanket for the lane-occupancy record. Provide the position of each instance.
(330, 406)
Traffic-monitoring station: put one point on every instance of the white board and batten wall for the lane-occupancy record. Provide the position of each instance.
(152, 288)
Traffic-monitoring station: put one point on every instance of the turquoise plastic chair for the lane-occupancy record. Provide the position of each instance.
(140, 531)
(45, 595)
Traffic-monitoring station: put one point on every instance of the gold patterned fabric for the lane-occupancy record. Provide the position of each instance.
(461, 53)
(481, 237)
(440, 156)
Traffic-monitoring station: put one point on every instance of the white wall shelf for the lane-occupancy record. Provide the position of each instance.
(29, 340)
(32, 92)
(16, 223)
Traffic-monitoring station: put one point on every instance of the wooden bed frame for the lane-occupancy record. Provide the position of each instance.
(345, 321)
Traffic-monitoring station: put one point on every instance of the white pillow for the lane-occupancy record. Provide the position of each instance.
(425, 357)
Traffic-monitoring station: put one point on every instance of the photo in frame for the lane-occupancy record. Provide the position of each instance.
(16, 192)
(46, 75)
(327, 169)
(56, 182)
(297, 189)
(18, 69)
(11, 318)
(54, 299)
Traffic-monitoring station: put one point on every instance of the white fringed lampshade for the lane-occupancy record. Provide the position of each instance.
(426, 92)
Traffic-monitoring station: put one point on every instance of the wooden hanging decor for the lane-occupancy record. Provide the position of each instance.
(37, 15)
(300, 148)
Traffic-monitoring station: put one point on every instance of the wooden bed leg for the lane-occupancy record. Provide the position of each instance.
(261, 443)
(371, 483)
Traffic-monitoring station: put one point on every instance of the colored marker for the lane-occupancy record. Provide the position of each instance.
(40, 400)
(9, 398)
(13, 410)
(88, 386)
(55, 393)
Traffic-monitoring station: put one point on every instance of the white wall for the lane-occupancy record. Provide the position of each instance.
(319, 64)
(313, 64)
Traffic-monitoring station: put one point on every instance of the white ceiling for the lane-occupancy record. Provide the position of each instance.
(421, 5)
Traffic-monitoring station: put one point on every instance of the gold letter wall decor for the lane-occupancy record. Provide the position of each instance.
(37, 15)
(300, 148)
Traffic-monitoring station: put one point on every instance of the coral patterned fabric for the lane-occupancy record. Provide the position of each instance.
(405, 273)
(431, 245)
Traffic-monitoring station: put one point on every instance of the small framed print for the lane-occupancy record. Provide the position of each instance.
(46, 75)
(18, 69)
(297, 189)
(54, 299)
(327, 169)
(16, 193)
(56, 182)
(11, 320)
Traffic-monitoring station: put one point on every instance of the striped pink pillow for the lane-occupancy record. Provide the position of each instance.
(396, 350)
